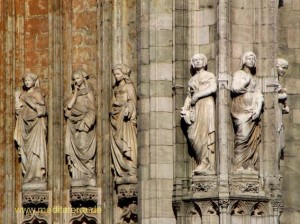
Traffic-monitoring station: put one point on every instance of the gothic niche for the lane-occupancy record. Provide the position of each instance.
(80, 138)
(35, 220)
(193, 214)
(123, 143)
(247, 102)
(83, 219)
(198, 114)
(31, 132)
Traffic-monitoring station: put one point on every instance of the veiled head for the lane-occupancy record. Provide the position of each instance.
(30, 80)
(248, 59)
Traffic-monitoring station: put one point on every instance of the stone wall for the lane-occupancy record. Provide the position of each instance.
(289, 49)
(156, 39)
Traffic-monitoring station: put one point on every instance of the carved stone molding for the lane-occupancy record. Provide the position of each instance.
(35, 206)
(84, 198)
(277, 205)
(127, 191)
(203, 186)
(224, 203)
(36, 199)
(127, 200)
(245, 184)
(252, 187)
(203, 183)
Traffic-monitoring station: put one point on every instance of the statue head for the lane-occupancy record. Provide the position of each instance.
(282, 65)
(121, 72)
(30, 80)
(248, 60)
(198, 61)
(79, 77)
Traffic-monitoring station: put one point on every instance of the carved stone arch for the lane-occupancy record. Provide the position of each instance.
(83, 219)
(193, 214)
(259, 209)
(239, 208)
(208, 208)
(35, 220)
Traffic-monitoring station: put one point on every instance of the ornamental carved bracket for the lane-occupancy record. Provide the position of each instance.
(127, 200)
(83, 198)
(35, 199)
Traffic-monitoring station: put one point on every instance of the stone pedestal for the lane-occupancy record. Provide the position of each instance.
(245, 184)
(36, 207)
(84, 205)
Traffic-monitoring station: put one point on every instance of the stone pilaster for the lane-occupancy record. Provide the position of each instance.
(155, 137)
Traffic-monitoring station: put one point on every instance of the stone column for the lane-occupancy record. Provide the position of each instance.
(155, 134)
(223, 98)
(7, 89)
(57, 171)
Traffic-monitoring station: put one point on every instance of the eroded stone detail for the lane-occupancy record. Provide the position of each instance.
(198, 113)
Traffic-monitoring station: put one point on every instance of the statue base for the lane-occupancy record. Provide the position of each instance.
(83, 182)
(42, 186)
(204, 186)
(35, 207)
(246, 183)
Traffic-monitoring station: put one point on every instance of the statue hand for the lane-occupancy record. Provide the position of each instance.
(83, 127)
(127, 112)
(285, 110)
(194, 100)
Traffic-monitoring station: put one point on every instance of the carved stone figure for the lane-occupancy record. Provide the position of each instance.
(31, 131)
(80, 138)
(247, 102)
(199, 114)
(123, 127)
(282, 66)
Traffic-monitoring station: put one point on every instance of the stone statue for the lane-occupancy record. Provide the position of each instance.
(282, 66)
(31, 132)
(247, 102)
(123, 127)
(80, 138)
(199, 114)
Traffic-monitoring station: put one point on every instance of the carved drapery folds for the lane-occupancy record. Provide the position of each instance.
(80, 138)
(31, 132)
(247, 102)
(124, 142)
(198, 113)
